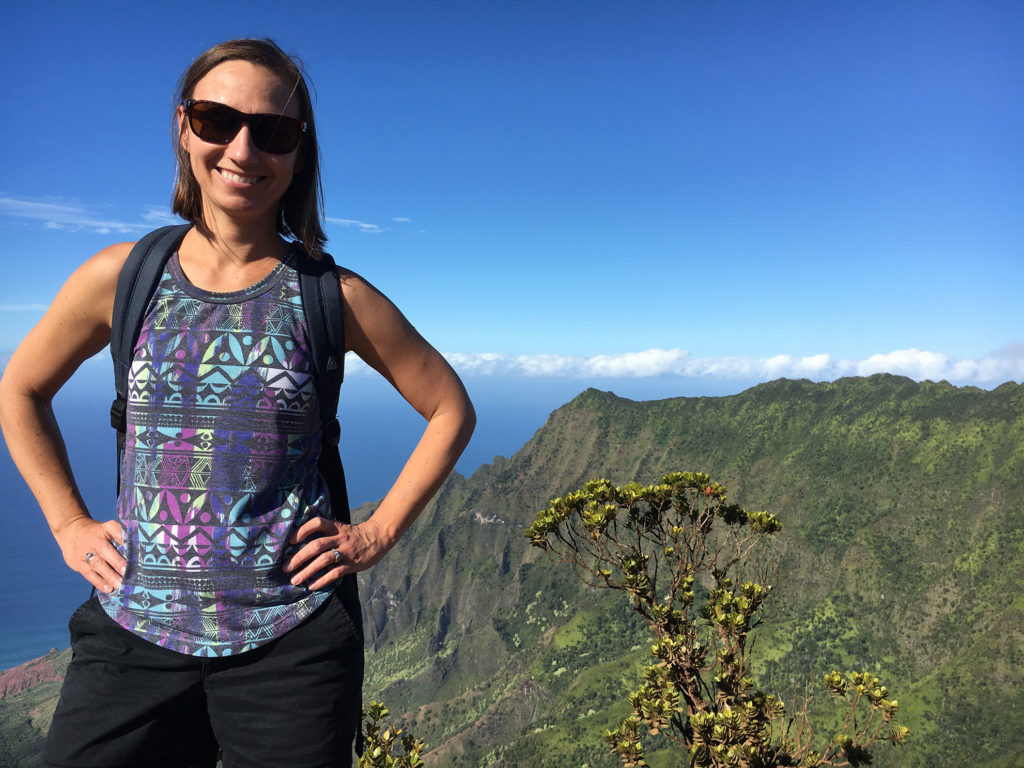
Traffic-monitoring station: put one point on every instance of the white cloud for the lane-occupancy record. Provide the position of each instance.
(363, 226)
(55, 213)
(402, 219)
(913, 363)
(160, 216)
(1011, 351)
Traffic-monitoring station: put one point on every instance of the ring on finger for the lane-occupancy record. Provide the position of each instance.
(89, 556)
(337, 556)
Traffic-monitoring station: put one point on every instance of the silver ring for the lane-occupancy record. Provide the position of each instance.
(337, 556)
(89, 556)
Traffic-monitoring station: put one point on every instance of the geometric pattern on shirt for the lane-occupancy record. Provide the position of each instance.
(220, 466)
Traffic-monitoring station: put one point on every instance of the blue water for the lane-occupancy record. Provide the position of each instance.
(378, 433)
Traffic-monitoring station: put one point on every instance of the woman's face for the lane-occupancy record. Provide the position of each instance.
(238, 180)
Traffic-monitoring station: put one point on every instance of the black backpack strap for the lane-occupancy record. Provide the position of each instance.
(321, 301)
(135, 287)
(322, 304)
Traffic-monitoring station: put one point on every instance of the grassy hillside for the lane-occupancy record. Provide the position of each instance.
(25, 714)
(903, 553)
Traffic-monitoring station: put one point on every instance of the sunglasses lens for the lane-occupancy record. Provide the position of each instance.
(276, 134)
(216, 123)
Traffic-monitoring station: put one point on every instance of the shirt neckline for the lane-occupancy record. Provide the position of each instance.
(258, 288)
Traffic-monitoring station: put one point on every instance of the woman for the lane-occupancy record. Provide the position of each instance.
(225, 613)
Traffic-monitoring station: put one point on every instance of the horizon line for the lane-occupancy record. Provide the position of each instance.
(1002, 365)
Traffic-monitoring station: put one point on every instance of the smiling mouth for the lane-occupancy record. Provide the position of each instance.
(237, 178)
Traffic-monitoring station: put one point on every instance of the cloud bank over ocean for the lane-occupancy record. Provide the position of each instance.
(1005, 364)
(1001, 365)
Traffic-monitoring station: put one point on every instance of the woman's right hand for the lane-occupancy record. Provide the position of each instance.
(88, 548)
(74, 328)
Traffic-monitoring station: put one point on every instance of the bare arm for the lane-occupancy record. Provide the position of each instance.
(377, 332)
(75, 327)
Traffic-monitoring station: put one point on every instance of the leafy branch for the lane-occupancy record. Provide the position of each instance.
(385, 745)
(697, 570)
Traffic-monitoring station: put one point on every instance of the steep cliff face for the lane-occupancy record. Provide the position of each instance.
(31, 673)
(30, 693)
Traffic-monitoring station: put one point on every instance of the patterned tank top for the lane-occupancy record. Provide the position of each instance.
(220, 466)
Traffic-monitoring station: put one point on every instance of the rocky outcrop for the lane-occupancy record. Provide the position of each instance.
(31, 673)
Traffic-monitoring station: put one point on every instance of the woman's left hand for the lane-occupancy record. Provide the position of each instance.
(357, 547)
(379, 334)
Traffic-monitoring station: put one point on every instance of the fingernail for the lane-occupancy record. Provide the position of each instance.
(124, 569)
(117, 584)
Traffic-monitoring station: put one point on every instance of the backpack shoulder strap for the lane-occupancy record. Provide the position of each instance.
(321, 301)
(322, 304)
(135, 286)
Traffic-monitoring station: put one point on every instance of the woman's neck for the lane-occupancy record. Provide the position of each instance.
(225, 259)
(236, 240)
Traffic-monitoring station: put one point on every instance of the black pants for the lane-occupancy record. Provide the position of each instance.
(292, 703)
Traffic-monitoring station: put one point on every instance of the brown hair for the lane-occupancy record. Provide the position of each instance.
(300, 211)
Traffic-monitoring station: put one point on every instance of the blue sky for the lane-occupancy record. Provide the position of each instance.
(584, 190)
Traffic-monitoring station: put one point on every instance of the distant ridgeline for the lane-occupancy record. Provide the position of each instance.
(902, 552)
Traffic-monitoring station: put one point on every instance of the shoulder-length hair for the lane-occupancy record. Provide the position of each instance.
(300, 212)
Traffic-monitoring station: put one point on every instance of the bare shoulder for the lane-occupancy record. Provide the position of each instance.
(76, 325)
(383, 338)
(374, 326)
(104, 267)
(357, 290)
(366, 305)
(90, 289)
(88, 295)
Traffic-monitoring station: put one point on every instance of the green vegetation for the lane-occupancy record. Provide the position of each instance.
(657, 544)
(903, 555)
(25, 718)
(385, 745)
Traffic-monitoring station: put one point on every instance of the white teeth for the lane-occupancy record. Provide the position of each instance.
(238, 179)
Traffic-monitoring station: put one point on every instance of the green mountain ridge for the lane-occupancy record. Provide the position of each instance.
(902, 553)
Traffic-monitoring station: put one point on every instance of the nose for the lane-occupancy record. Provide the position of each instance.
(241, 147)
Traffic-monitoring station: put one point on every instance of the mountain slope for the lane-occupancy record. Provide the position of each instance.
(903, 548)
(903, 552)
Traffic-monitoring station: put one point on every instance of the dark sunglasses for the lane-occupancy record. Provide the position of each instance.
(219, 124)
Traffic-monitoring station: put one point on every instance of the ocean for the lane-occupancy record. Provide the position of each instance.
(379, 430)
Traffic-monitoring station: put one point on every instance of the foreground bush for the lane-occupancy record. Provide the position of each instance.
(384, 745)
(698, 571)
